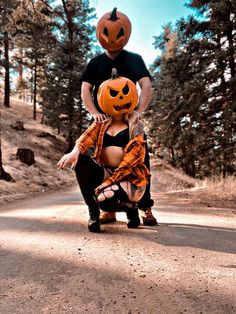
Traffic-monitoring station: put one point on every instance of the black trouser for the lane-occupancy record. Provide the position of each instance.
(146, 200)
(90, 175)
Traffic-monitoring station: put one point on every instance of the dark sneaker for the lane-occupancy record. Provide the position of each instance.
(94, 226)
(133, 218)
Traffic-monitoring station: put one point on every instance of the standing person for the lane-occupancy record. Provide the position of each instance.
(113, 31)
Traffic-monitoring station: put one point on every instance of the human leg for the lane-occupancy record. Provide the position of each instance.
(116, 197)
(89, 175)
(145, 204)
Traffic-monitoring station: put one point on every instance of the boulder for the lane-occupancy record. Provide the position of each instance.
(26, 156)
(46, 134)
(18, 125)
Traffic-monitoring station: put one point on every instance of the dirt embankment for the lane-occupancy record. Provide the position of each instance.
(48, 147)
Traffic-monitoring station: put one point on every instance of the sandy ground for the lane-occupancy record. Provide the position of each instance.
(50, 263)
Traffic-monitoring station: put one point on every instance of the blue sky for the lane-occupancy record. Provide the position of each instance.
(147, 18)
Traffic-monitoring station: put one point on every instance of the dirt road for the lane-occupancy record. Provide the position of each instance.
(50, 263)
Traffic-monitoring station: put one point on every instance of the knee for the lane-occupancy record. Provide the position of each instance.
(112, 198)
(82, 168)
(108, 193)
(82, 160)
(109, 199)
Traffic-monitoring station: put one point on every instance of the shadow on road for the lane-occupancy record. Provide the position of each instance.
(219, 239)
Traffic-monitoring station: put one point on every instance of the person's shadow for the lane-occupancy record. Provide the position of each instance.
(218, 239)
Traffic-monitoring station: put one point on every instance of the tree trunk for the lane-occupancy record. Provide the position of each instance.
(20, 75)
(232, 63)
(35, 89)
(70, 105)
(70, 141)
(7, 71)
(32, 86)
(230, 38)
(3, 174)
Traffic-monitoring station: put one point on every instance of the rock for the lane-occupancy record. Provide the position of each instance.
(26, 156)
(18, 125)
(46, 134)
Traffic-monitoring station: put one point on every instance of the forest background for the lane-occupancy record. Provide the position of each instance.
(190, 122)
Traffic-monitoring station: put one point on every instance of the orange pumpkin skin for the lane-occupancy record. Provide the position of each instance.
(117, 96)
(113, 30)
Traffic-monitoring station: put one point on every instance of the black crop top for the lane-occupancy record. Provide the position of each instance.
(121, 139)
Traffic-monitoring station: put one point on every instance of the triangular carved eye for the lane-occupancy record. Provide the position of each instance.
(121, 33)
(105, 31)
(113, 92)
(125, 90)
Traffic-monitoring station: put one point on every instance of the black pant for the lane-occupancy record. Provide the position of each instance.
(146, 200)
(89, 175)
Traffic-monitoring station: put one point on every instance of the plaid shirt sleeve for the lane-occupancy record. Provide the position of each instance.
(88, 138)
(133, 156)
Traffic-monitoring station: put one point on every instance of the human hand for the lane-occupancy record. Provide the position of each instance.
(100, 117)
(100, 188)
(134, 115)
(72, 158)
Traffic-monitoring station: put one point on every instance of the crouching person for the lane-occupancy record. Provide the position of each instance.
(115, 178)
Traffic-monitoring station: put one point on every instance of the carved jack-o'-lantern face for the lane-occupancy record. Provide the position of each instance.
(113, 30)
(117, 95)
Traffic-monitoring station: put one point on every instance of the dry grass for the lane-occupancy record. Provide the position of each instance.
(166, 178)
(224, 188)
(215, 192)
(42, 176)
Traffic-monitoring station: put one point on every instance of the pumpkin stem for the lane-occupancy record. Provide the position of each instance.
(114, 73)
(113, 15)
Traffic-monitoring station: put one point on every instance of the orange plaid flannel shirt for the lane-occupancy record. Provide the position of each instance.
(131, 168)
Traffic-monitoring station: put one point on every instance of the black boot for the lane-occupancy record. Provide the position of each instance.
(94, 223)
(133, 216)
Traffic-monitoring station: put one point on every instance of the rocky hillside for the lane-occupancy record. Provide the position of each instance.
(42, 176)
(48, 147)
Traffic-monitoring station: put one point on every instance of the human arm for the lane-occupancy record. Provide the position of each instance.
(83, 143)
(87, 97)
(71, 158)
(145, 94)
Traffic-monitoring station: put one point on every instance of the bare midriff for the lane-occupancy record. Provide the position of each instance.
(111, 156)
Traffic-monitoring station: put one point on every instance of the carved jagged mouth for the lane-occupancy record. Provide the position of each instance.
(122, 107)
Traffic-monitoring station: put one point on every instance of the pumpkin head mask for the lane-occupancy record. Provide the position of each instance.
(117, 95)
(113, 30)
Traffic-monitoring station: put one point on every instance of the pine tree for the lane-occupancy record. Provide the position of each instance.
(32, 27)
(61, 95)
(6, 9)
(195, 94)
